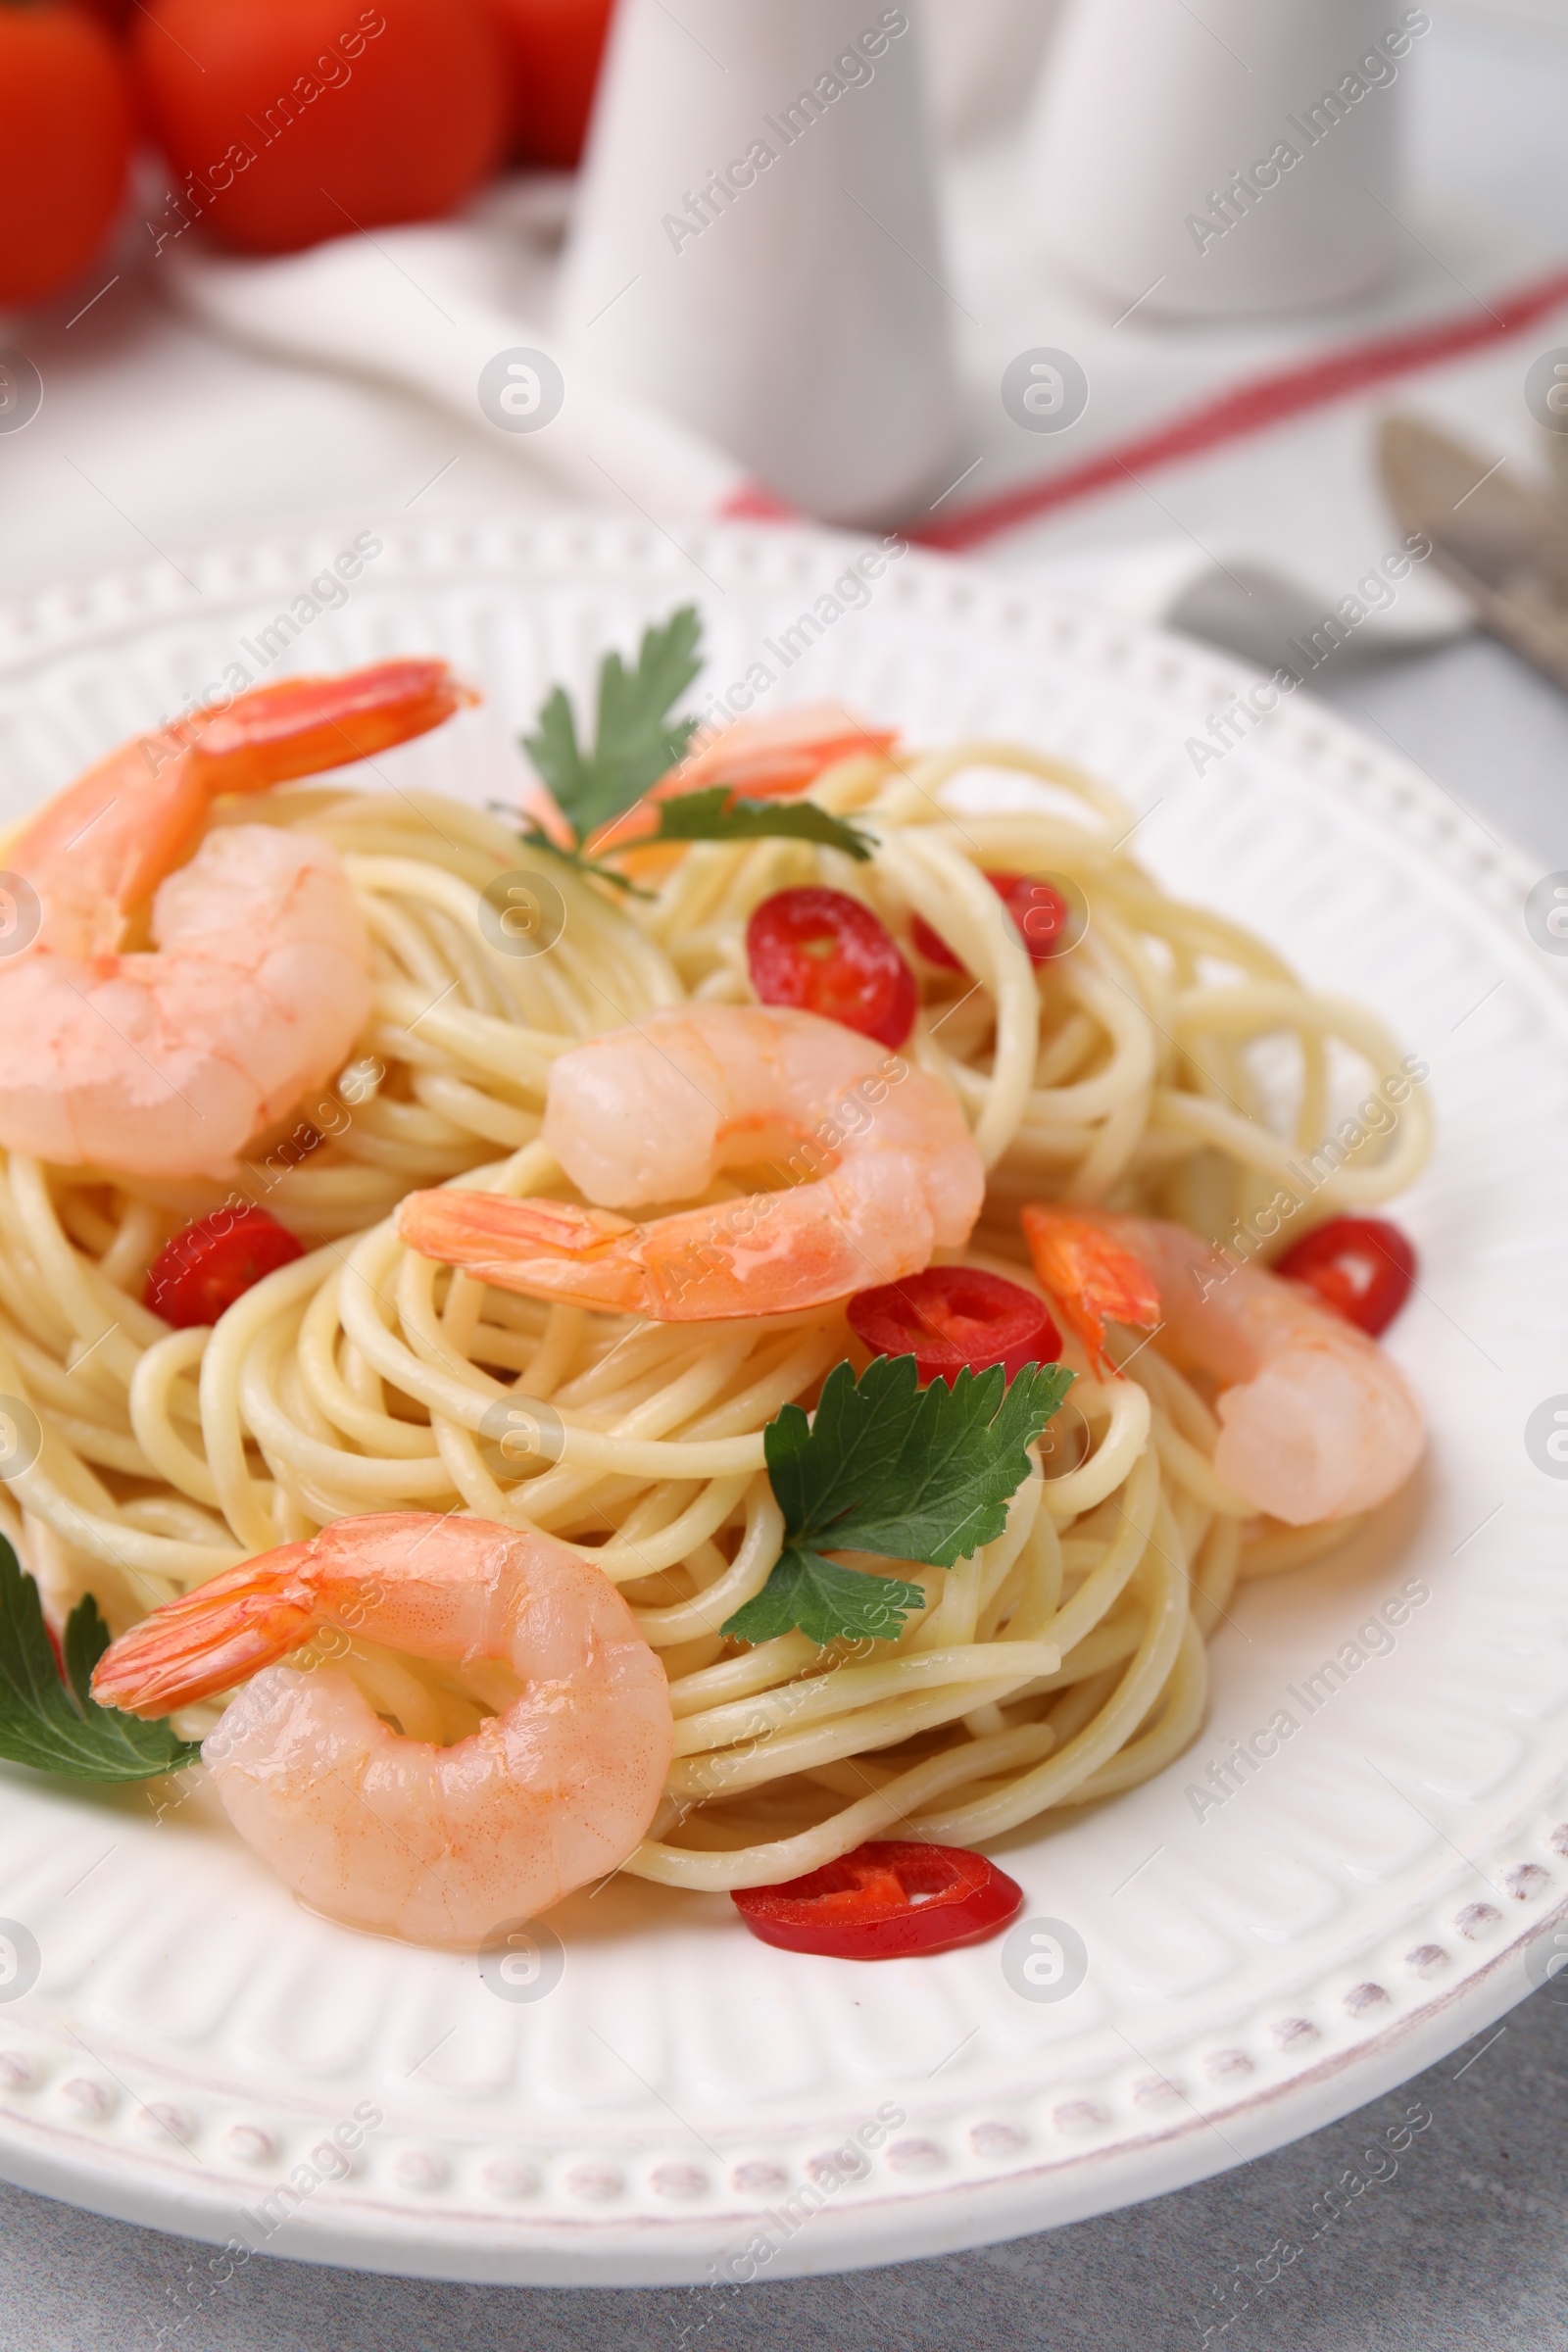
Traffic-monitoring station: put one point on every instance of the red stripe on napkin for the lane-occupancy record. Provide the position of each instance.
(1256, 406)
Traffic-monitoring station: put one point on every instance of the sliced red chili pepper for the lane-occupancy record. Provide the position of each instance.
(885, 1902)
(955, 1318)
(205, 1268)
(933, 946)
(820, 950)
(1364, 1267)
(1040, 911)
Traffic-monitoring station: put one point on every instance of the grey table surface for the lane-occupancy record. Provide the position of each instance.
(1462, 2249)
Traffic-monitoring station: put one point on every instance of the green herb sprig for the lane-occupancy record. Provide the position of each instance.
(888, 1467)
(57, 1726)
(636, 741)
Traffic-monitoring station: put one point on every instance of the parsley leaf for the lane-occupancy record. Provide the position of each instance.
(54, 1729)
(717, 815)
(889, 1467)
(635, 742)
(533, 839)
(825, 1601)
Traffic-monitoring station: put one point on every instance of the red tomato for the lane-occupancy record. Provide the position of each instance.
(290, 121)
(1364, 1267)
(933, 946)
(885, 1902)
(214, 1261)
(955, 1317)
(823, 951)
(1041, 914)
(554, 49)
(65, 142)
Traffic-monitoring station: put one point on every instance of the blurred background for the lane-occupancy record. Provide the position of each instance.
(1118, 291)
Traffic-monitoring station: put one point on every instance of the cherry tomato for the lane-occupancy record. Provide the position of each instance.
(553, 49)
(823, 951)
(64, 143)
(885, 1902)
(203, 1270)
(953, 1318)
(1362, 1267)
(289, 120)
(1041, 914)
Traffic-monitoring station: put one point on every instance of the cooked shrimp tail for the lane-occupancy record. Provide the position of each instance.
(211, 1639)
(303, 725)
(1091, 1277)
(540, 1248)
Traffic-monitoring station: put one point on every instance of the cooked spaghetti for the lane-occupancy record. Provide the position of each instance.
(1170, 1063)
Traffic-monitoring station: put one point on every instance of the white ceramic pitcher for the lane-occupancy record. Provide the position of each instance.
(756, 245)
(1224, 158)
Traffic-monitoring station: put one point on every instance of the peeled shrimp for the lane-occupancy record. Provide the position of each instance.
(1317, 1422)
(168, 1061)
(780, 754)
(654, 1114)
(762, 758)
(441, 1845)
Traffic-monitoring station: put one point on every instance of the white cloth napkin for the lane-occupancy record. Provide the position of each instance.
(429, 309)
(1246, 544)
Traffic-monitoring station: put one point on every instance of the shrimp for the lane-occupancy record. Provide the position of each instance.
(1317, 1422)
(168, 1061)
(762, 759)
(441, 1845)
(1093, 1281)
(766, 757)
(883, 1172)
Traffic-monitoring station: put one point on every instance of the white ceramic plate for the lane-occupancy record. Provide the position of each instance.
(1375, 1894)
